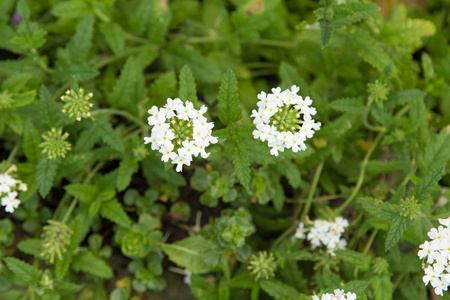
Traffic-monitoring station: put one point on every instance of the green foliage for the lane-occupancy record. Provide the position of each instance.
(98, 214)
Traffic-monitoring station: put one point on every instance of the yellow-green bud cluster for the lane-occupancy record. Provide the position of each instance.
(55, 144)
(57, 237)
(77, 104)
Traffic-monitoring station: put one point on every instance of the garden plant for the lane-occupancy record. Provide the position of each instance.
(224, 149)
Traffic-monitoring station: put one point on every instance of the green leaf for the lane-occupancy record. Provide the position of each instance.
(369, 49)
(189, 253)
(377, 208)
(62, 266)
(279, 290)
(352, 12)
(403, 97)
(352, 105)
(45, 174)
(176, 55)
(164, 87)
(104, 131)
(240, 159)
(289, 76)
(49, 110)
(290, 171)
(187, 89)
(114, 37)
(30, 246)
(326, 31)
(84, 193)
(127, 167)
(29, 35)
(31, 141)
(22, 9)
(121, 94)
(228, 103)
(27, 274)
(398, 225)
(23, 99)
(71, 9)
(139, 19)
(382, 287)
(359, 260)
(423, 189)
(81, 41)
(66, 287)
(74, 72)
(86, 262)
(113, 211)
(436, 153)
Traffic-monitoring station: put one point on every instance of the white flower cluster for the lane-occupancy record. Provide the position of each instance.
(8, 190)
(437, 253)
(338, 295)
(180, 132)
(283, 119)
(324, 233)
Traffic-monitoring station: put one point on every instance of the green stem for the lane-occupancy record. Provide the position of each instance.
(264, 42)
(283, 236)
(398, 279)
(366, 121)
(127, 53)
(13, 153)
(69, 211)
(361, 173)
(440, 216)
(312, 190)
(370, 241)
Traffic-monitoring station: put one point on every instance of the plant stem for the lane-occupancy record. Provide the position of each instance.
(123, 113)
(312, 190)
(370, 241)
(112, 59)
(361, 173)
(13, 153)
(69, 211)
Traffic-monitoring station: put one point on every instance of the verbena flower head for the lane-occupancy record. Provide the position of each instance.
(55, 144)
(284, 120)
(324, 233)
(77, 103)
(436, 256)
(262, 265)
(338, 295)
(9, 188)
(57, 237)
(180, 132)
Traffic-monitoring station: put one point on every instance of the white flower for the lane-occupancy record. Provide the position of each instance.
(324, 233)
(10, 202)
(6, 183)
(436, 251)
(284, 119)
(180, 132)
(338, 295)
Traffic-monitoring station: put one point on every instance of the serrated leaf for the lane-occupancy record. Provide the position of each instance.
(401, 31)
(28, 274)
(121, 93)
(290, 170)
(22, 9)
(403, 97)
(104, 131)
(62, 266)
(113, 211)
(74, 72)
(84, 193)
(352, 105)
(31, 141)
(382, 287)
(354, 258)
(163, 87)
(70, 9)
(240, 160)
(29, 35)
(188, 253)
(114, 37)
(86, 262)
(66, 287)
(139, 19)
(24, 99)
(398, 225)
(356, 286)
(352, 12)
(228, 103)
(45, 174)
(187, 89)
(423, 189)
(378, 208)
(81, 41)
(326, 31)
(369, 49)
(127, 167)
(278, 290)
(289, 76)
(176, 55)
(436, 153)
(48, 108)
(30, 246)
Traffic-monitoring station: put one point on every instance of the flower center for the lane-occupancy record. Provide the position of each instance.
(287, 118)
(182, 129)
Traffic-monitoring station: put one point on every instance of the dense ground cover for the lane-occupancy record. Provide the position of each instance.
(224, 149)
